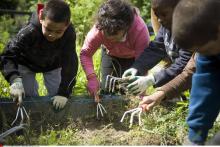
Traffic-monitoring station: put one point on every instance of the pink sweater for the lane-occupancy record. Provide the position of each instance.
(136, 41)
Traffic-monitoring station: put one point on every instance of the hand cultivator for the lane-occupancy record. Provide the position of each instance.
(135, 111)
(115, 84)
(99, 108)
(22, 113)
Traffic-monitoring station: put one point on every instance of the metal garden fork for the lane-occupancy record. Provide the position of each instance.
(21, 111)
(22, 126)
(112, 83)
(99, 107)
(135, 111)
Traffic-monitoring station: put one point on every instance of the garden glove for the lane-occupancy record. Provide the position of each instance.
(17, 90)
(130, 72)
(92, 85)
(59, 101)
(140, 84)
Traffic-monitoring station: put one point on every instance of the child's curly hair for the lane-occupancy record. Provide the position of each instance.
(115, 15)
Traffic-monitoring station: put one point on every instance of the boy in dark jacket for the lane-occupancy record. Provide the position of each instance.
(196, 25)
(163, 46)
(45, 45)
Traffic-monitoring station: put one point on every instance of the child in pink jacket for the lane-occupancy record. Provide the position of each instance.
(123, 36)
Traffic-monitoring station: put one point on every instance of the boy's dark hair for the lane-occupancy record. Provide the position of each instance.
(196, 22)
(57, 11)
(115, 15)
(164, 3)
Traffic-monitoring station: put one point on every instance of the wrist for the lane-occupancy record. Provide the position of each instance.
(152, 79)
(90, 76)
(14, 78)
(161, 95)
(17, 80)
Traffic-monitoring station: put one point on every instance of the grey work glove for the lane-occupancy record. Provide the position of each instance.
(59, 101)
(130, 72)
(17, 90)
(140, 84)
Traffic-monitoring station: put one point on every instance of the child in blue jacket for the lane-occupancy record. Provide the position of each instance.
(162, 47)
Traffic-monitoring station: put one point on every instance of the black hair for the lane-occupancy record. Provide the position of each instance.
(57, 11)
(115, 15)
(164, 3)
(196, 22)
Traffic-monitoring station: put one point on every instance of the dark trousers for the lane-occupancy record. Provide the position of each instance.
(113, 66)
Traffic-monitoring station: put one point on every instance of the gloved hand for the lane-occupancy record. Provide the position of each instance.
(93, 85)
(140, 84)
(17, 90)
(59, 101)
(130, 72)
(148, 102)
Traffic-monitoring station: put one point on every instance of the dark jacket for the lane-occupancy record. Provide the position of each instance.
(181, 82)
(163, 46)
(30, 48)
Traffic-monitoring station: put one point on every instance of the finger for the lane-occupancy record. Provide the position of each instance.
(132, 79)
(97, 98)
(136, 93)
(126, 74)
(144, 107)
(150, 106)
(54, 101)
(126, 78)
(136, 90)
(62, 105)
(14, 98)
(91, 93)
(144, 101)
(57, 105)
(130, 86)
(19, 99)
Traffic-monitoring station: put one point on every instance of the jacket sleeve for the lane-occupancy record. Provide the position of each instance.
(69, 67)
(151, 55)
(91, 44)
(174, 69)
(180, 83)
(13, 50)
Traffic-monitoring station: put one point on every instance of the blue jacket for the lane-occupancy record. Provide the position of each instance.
(205, 97)
(163, 46)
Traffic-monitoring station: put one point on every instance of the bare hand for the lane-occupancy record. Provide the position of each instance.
(150, 101)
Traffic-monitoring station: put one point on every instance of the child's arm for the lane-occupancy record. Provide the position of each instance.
(151, 55)
(13, 50)
(180, 83)
(165, 75)
(90, 46)
(69, 67)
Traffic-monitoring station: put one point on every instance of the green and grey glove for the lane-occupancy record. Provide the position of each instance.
(140, 84)
(130, 72)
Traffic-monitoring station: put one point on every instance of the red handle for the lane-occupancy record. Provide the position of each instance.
(40, 6)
